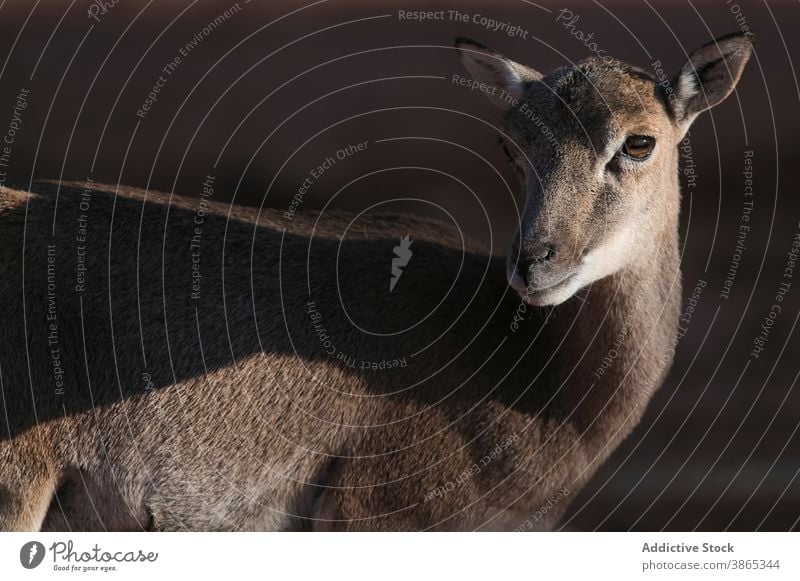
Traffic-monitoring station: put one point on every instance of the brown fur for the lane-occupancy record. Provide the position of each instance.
(227, 413)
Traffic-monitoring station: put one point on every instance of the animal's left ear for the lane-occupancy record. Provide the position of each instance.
(710, 75)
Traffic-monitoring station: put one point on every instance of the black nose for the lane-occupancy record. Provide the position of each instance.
(543, 253)
(540, 255)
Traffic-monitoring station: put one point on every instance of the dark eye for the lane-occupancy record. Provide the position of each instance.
(509, 157)
(638, 147)
(513, 162)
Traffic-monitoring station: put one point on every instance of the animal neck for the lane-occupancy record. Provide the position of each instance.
(621, 344)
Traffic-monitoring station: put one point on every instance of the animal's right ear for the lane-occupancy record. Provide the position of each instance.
(496, 71)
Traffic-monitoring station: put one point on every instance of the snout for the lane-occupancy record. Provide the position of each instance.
(539, 265)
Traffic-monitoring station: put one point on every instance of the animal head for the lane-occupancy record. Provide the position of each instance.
(595, 147)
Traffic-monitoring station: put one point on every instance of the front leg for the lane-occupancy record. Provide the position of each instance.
(27, 482)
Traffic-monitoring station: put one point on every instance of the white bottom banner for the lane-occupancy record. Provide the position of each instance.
(389, 556)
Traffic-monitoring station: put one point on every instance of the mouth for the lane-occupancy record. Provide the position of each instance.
(549, 295)
(531, 290)
(552, 294)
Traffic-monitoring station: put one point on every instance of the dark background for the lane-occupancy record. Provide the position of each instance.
(718, 447)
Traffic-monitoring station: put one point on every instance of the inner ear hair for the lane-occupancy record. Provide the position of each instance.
(495, 73)
(711, 74)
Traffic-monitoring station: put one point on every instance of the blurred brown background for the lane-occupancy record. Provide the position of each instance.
(274, 88)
